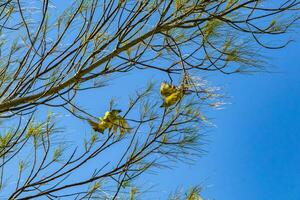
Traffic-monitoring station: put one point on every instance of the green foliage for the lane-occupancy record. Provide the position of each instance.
(210, 29)
(5, 141)
(192, 194)
(51, 56)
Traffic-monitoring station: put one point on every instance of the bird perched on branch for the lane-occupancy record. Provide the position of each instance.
(110, 117)
(173, 94)
(111, 121)
(172, 98)
(167, 89)
(121, 124)
(98, 126)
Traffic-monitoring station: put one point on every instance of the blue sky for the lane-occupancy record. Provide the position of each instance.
(255, 146)
(253, 152)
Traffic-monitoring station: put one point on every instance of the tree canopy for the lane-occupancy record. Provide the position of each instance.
(52, 53)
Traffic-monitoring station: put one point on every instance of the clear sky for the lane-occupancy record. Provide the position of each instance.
(253, 153)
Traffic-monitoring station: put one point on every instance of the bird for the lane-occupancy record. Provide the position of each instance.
(98, 126)
(110, 117)
(173, 94)
(111, 121)
(122, 125)
(105, 122)
(173, 98)
(167, 89)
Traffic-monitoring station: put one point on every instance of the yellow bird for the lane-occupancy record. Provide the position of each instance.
(112, 115)
(111, 121)
(122, 125)
(173, 94)
(107, 121)
(167, 89)
(98, 126)
(173, 98)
